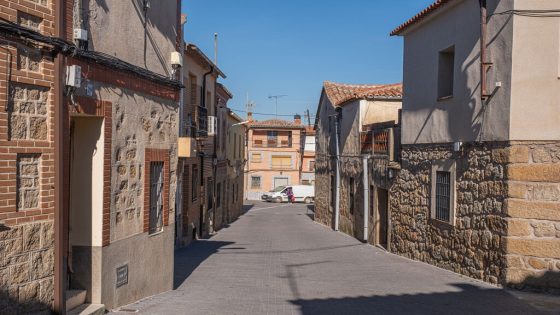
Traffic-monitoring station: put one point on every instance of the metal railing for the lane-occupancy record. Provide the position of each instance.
(381, 141)
(272, 144)
(202, 119)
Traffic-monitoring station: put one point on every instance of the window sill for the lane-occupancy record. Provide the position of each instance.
(156, 233)
(442, 224)
(444, 98)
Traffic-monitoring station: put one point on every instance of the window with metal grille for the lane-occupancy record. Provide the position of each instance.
(443, 196)
(255, 182)
(156, 197)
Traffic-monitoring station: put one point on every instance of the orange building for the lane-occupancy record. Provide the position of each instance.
(274, 157)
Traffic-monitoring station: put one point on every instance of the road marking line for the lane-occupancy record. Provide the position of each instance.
(257, 209)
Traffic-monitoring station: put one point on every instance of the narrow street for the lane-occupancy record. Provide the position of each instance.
(276, 260)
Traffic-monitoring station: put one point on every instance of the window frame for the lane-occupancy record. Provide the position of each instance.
(448, 166)
(444, 57)
(259, 160)
(251, 183)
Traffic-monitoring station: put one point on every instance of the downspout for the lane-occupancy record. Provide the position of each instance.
(337, 146)
(366, 196)
(179, 215)
(59, 304)
(203, 103)
(484, 65)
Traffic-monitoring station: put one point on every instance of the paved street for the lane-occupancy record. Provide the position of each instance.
(276, 260)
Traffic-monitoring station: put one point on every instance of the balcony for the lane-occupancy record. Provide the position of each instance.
(202, 119)
(272, 144)
(384, 141)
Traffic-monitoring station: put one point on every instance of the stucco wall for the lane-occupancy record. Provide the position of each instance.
(461, 118)
(153, 43)
(372, 112)
(535, 101)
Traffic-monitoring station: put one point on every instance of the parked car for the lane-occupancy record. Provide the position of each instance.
(302, 193)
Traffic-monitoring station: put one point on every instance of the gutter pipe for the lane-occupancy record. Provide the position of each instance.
(337, 145)
(366, 197)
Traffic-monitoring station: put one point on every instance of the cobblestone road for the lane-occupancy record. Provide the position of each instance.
(276, 260)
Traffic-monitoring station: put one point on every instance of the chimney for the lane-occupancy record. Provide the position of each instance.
(297, 119)
(249, 116)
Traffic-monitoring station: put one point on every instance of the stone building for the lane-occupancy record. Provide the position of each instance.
(27, 153)
(274, 155)
(359, 114)
(97, 152)
(478, 192)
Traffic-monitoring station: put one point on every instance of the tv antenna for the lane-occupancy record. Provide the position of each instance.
(276, 97)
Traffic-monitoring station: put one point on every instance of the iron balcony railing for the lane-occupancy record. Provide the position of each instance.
(202, 119)
(381, 141)
(272, 144)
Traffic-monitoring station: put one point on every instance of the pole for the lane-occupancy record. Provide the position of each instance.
(337, 196)
(216, 49)
(366, 197)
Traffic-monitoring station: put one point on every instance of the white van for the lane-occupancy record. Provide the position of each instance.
(302, 193)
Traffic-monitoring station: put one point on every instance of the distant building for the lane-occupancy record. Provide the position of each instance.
(308, 157)
(479, 193)
(274, 155)
(366, 118)
(235, 146)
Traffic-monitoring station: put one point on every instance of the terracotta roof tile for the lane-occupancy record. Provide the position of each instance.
(339, 93)
(418, 17)
(275, 123)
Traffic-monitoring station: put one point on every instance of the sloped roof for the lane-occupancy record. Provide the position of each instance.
(275, 123)
(339, 93)
(420, 16)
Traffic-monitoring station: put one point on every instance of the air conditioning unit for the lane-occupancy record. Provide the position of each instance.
(212, 125)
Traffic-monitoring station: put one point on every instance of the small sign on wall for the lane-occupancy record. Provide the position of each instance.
(122, 275)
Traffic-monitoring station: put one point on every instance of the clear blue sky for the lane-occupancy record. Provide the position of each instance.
(273, 47)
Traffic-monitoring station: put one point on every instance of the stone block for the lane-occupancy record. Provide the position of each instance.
(42, 264)
(19, 273)
(47, 234)
(47, 290)
(545, 248)
(517, 190)
(518, 276)
(539, 210)
(38, 128)
(514, 262)
(18, 127)
(514, 154)
(534, 172)
(4, 278)
(10, 233)
(518, 228)
(29, 293)
(537, 263)
(541, 155)
(544, 229)
(32, 236)
(13, 247)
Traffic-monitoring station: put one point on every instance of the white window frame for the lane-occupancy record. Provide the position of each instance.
(444, 166)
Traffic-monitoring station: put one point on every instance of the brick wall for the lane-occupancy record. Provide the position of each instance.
(26, 162)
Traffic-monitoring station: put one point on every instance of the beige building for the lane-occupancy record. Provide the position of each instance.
(199, 133)
(479, 191)
(307, 176)
(361, 120)
(235, 148)
(274, 150)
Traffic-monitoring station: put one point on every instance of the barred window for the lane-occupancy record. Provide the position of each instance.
(156, 197)
(255, 182)
(443, 196)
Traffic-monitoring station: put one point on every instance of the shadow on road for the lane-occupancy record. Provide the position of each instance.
(189, 258)
(311, 212)
(466, 299)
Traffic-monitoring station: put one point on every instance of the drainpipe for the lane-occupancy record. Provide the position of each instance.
(59, 305)
(484, 65)
(337, 146)
(366, 197)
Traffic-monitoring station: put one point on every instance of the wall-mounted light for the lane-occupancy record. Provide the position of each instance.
(457, 146)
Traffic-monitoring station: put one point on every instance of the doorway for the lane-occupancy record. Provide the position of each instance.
(85, 232)
(382, 217)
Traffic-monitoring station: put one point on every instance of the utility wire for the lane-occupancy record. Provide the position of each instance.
(530, 13)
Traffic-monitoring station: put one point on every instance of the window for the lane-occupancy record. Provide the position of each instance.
(446, 72)
(194, 179)
(272, 138)
(283, 162)
(255, 182)
(219, 195)
(443, 201)
(312, 166)
(351, 195)
(443, 192)
(256, 157)
(305, 182)
(156, 197)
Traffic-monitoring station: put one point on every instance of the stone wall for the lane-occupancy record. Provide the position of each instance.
(26, 268)
(474, 245)
(28, 112)
(323, 171)
(533, 207)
